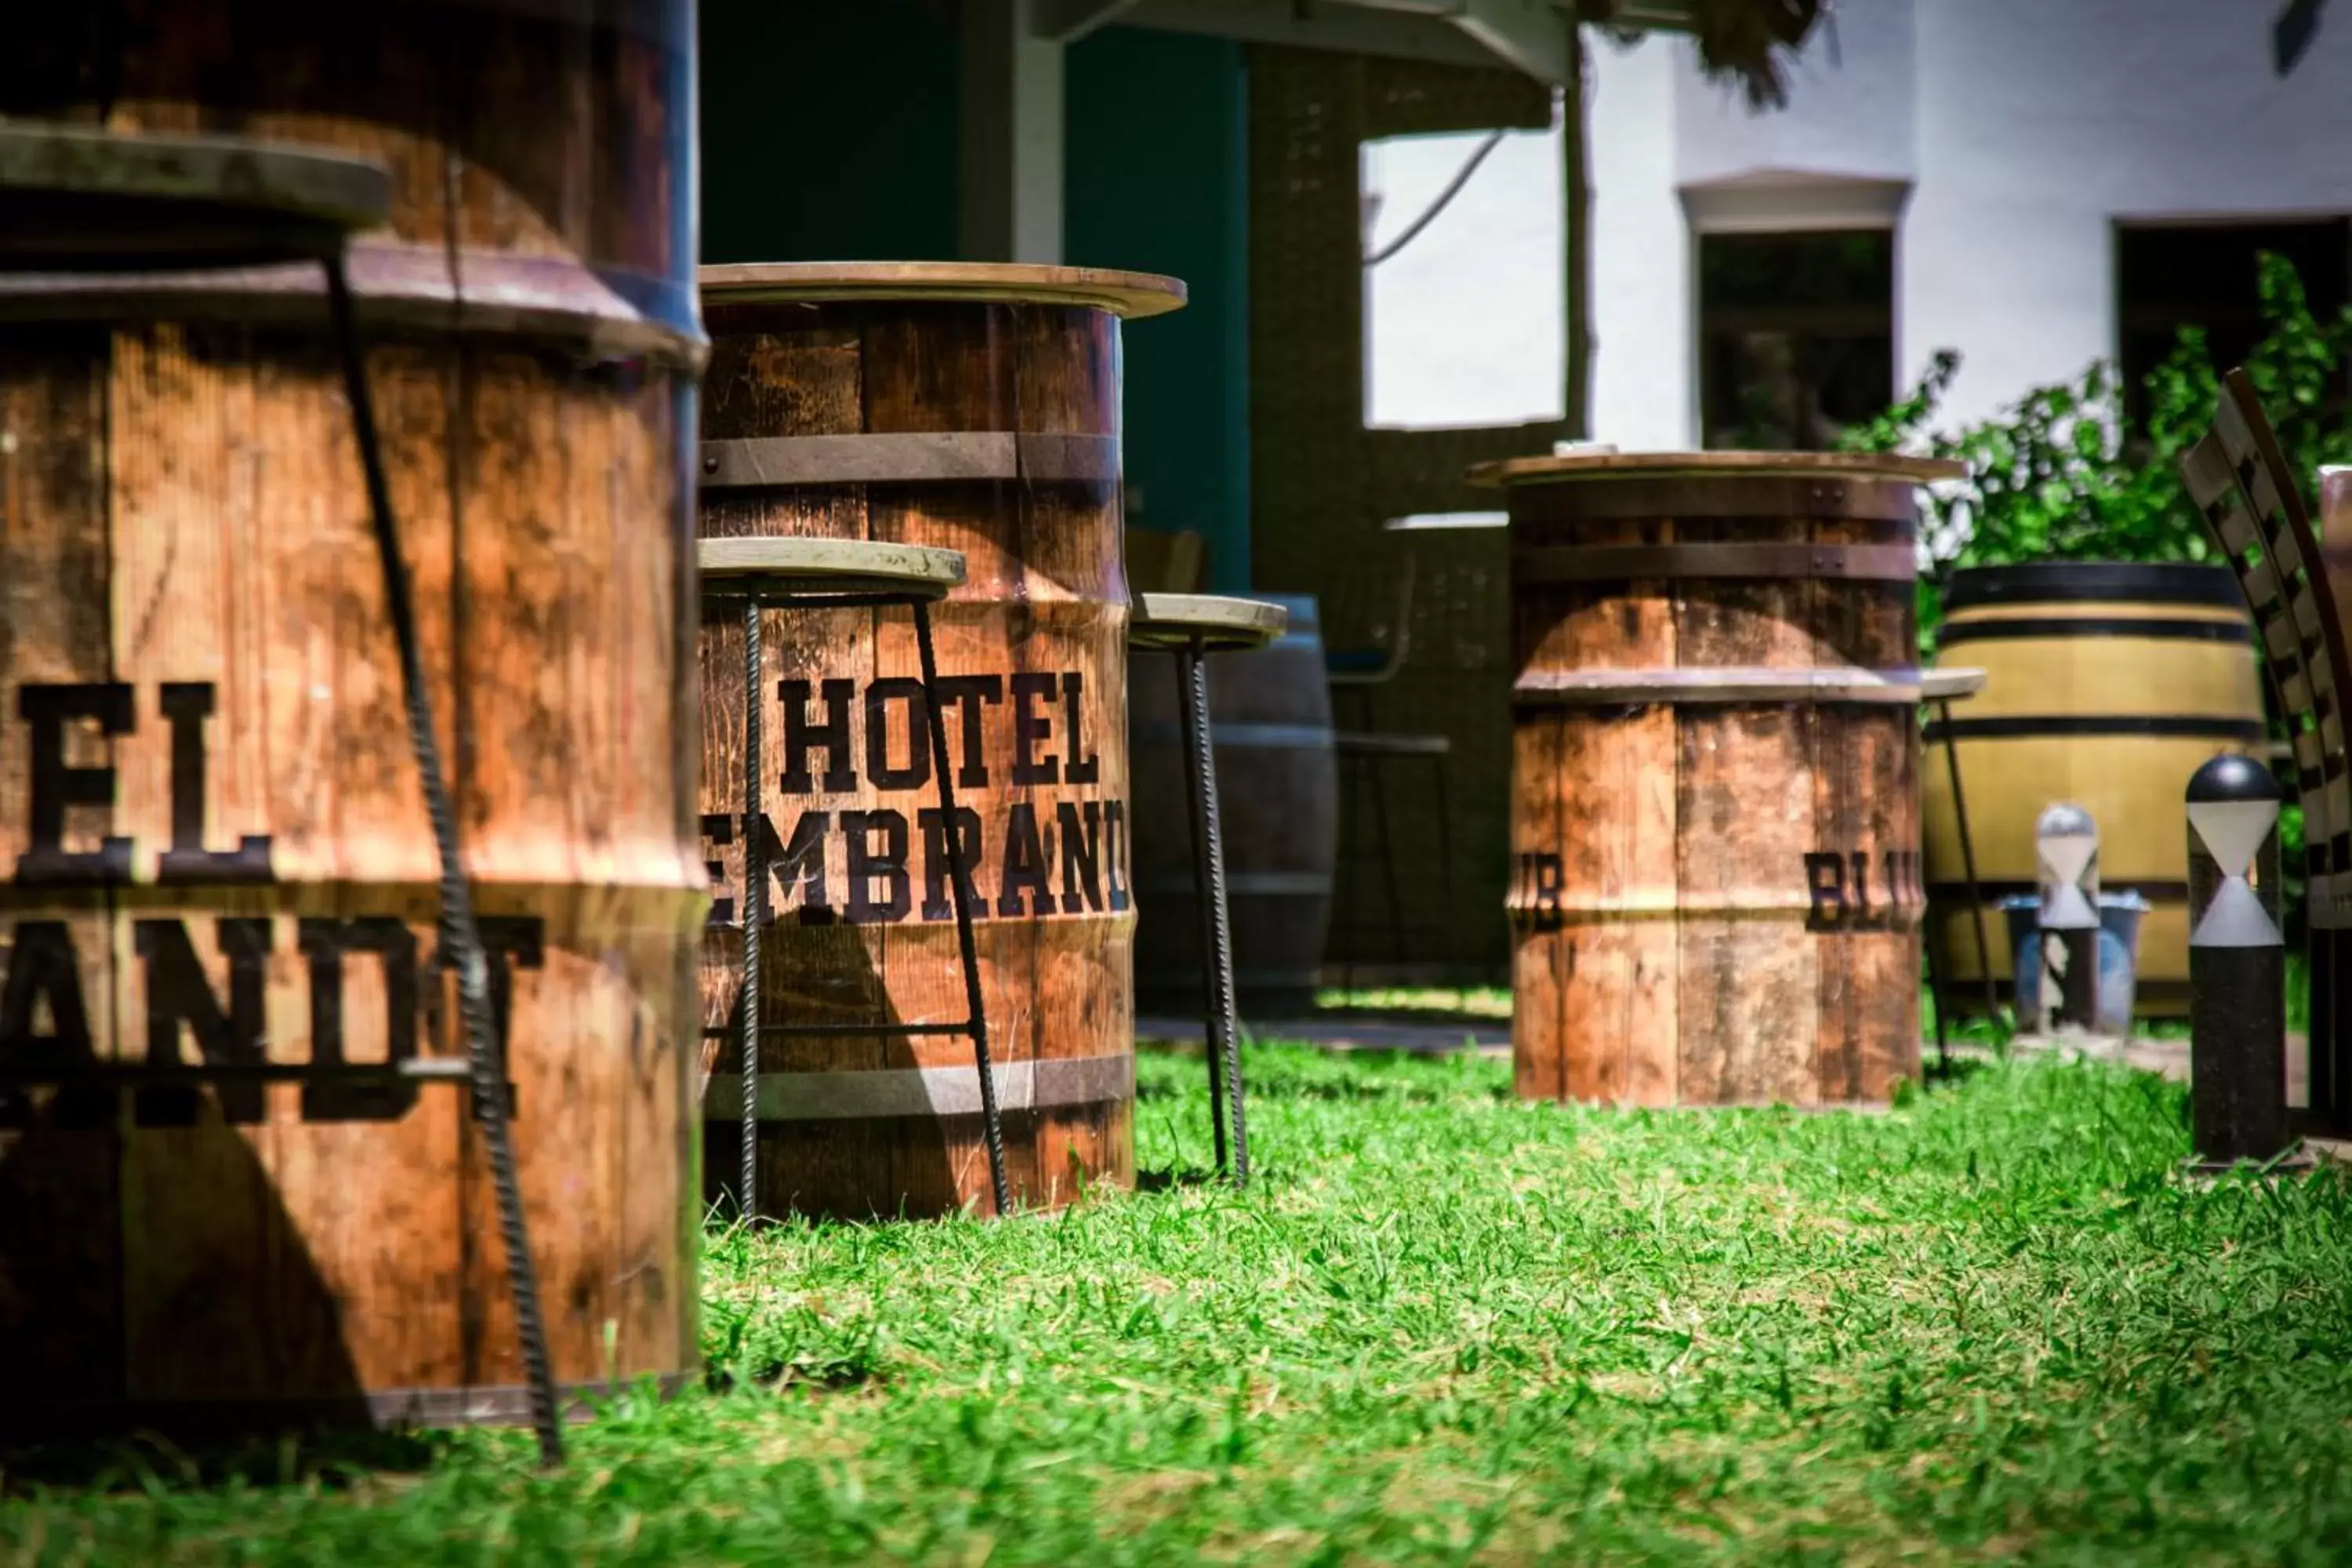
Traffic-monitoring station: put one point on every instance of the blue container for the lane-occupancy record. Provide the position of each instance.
(2119, 918)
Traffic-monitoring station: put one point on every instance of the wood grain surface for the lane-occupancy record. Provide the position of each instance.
(1713, 901)
(217, 837)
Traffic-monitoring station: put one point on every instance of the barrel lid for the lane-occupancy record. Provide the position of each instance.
(1125, 294)
(2095, 581)
(1610, 465)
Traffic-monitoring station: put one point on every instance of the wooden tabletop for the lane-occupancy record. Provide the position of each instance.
(73, 198)
(1126, 294)
(1586, 466)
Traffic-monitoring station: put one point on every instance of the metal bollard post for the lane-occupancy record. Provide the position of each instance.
(2066, 847)
(2237, 965)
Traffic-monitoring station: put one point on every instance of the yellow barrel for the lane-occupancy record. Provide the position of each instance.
(2106, 685)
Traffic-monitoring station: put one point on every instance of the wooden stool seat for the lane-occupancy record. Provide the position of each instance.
(789, 568)
(1949, 685)
(80, 200)
(1219, 623)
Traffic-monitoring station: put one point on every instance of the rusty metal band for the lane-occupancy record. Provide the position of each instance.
(1252, 884)
(1724, 497)
(1622, 688)
(1622, 563)
(908, 457)
(1894, 913)
(925, 1091)
(601, 313)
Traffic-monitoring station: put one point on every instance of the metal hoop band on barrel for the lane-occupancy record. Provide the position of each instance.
(1609, 562)
(928, 1091)
(775, 462)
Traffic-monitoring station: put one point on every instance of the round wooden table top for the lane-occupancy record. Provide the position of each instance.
(784, 567)
(1222, 624)
(1126, 294)
(75, 199)
(1949, 685)
(1600, 465)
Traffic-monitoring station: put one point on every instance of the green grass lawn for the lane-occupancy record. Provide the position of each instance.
(1441, 1327)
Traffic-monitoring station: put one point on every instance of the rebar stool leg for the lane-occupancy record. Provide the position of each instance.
(960, 890)
(755, 905)
(461, 937)
(1217, 929)
(1969, 869)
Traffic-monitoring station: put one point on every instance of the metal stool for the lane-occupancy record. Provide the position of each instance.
(1939, 689)
(77, 200)
(1192, 626)
(842, 574)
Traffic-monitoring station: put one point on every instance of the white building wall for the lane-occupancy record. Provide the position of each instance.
(2026, 128)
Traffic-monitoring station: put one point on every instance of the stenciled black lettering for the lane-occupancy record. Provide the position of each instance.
(937, 904)
(1862, 914)
(879, 695)
(1031, 726)
(1081, 834)
(186, 705)
(866, 866)
(1024, 889)
(719, 828)
(798, 868)
(802, 737)
(509, 942)
(323, 942)
(177, 996)
(1080, 766)
(968, 695)
(1546, 878)
(1117, 866)
(1825, 889)
(55, 787)
(45, 976)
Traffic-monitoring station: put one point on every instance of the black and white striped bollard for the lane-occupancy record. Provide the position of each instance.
(2066, 850)
(2237, 966)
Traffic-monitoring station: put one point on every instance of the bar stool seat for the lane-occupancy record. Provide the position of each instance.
(82, 200)
(1191, 626)
(1212, 622)
(799, 573)
(802, 570)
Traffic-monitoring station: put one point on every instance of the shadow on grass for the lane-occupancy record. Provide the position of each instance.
(144, 1461)
(1173, 1178)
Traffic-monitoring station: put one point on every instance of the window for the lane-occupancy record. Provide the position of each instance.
(1796, 336)
(2170, 276)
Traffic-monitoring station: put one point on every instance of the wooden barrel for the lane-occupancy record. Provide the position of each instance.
(220, 1200)
(2106, 685)
(1277, 792)
(1714, 895)
(975, 407)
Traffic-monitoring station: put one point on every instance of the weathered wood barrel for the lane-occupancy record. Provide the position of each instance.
(1714, 816)
(1278, 792)
(225, 1197)
(2106, 684)
(975, 407)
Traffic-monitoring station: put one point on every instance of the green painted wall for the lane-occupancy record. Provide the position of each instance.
(1157, 180)
(828, 132)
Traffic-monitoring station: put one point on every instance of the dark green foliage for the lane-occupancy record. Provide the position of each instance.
(1444, 1327)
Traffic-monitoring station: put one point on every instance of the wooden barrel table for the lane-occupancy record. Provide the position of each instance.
(1270, 725)
(2106, 684)
(1714, 895)
(974, 408)
(232, 1188)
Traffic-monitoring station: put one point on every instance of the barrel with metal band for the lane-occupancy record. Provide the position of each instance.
(1714, 895)
(253, 1197)
(2106, 684)
(1270, 725)
(976, 408)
